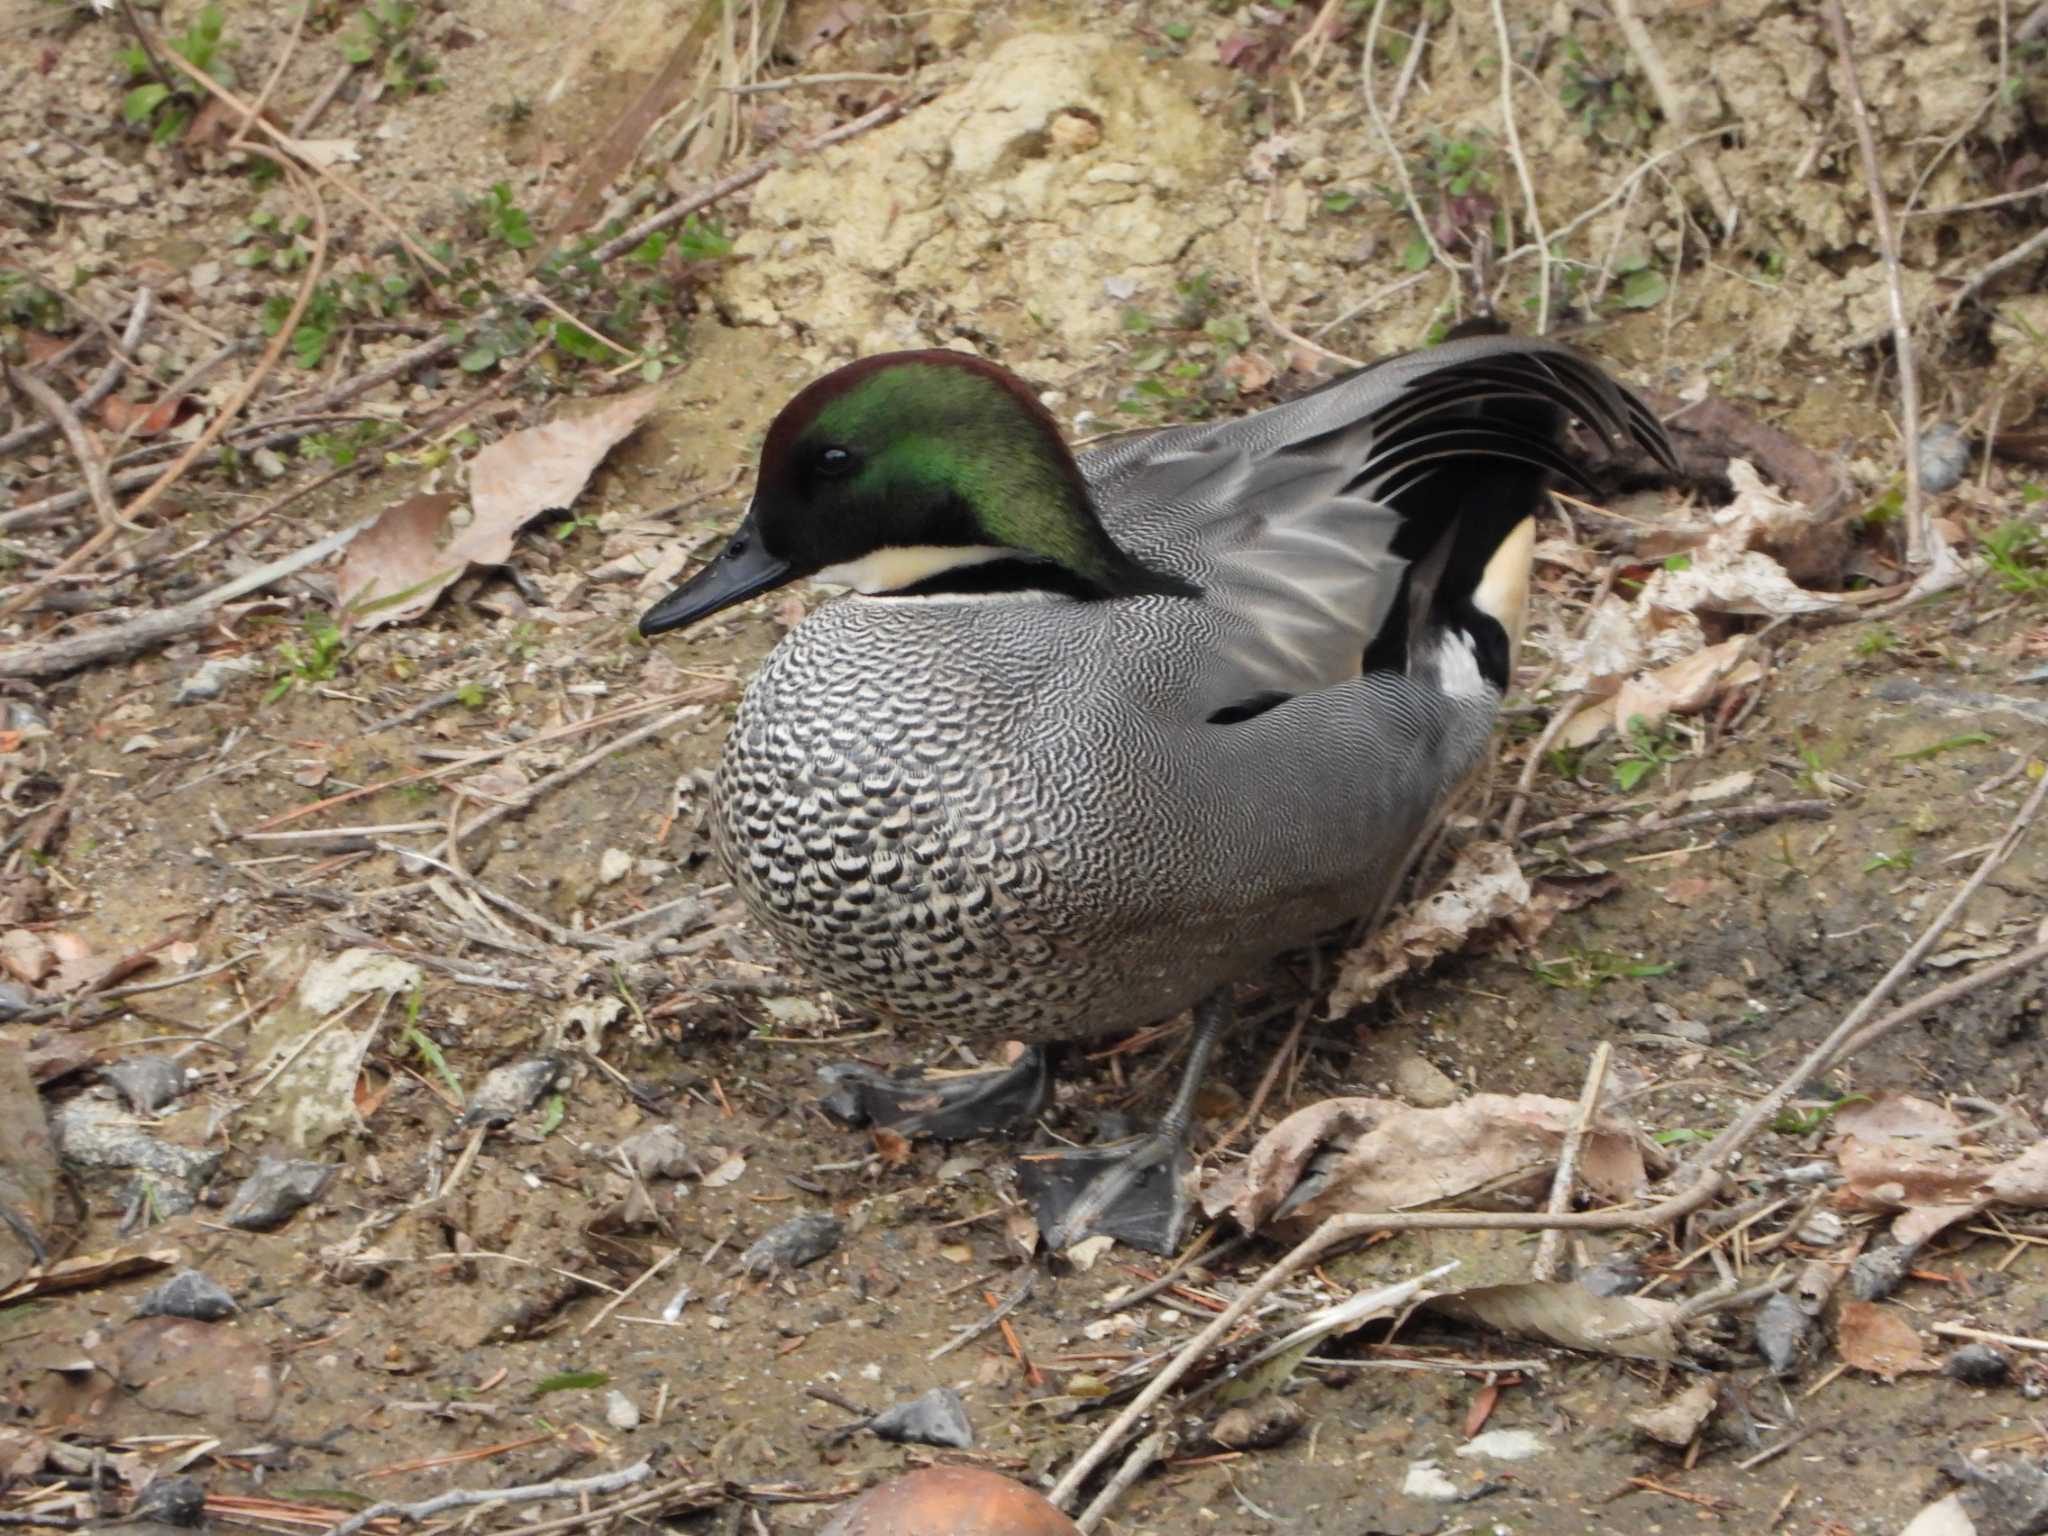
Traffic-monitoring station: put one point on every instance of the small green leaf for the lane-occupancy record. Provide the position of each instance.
(477, 358)
(1631, 772)
(571, 1381)
(1415, 254)
(1644, 289)
(139, 103)
(1339, 202)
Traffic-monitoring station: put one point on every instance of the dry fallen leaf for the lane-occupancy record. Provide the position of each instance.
(400, 564)
(1486, 887)
(1878, 1339)
(1566, 1313)
(1676, 1420)
(1395, 1156)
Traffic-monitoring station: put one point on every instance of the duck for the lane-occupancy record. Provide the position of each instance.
(1090, 737)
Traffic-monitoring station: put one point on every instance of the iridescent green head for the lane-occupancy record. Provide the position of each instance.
(915, 471)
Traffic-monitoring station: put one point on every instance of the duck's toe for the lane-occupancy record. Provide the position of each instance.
(948, 1108)
(1135, 1191)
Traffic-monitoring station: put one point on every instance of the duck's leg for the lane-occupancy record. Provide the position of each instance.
(950, 1108)
(1133, 1190)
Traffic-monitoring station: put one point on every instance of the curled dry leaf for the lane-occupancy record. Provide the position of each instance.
(1876, 1338)
(1886, 1113)
(401, 563)
(1677, 1419)
(1394, 1156)
(1934, 1187)
(1564, 1312)
(1484, 903)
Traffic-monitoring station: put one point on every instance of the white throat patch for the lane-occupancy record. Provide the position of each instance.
(905, 565)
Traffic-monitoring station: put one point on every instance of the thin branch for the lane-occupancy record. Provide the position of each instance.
(1385, 130)
(103, 386)
(1550, 1249)
(1514, 137)
(91, 462)
(1919, 529)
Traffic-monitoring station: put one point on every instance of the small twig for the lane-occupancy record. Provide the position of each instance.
(1984, 1336)
(1156, 1446)
(792, 82)
(322, 100)
(675, 213)
(581, 766)
(1561, 716)
(668, 1257)
(91, 462)
(1418, 44)
(1673, 106)
(464, 1498)
(967, 1333)
(1549, 1263)
(52, 658)
(1409, 203)
(1920, 532)
(1265, 305)
(1521, 163)
(1757, 810)
(1978, 280)
(2039, 189)
(101, 387)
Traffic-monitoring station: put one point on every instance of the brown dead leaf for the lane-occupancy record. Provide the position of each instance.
(140, 418)
(891, 1147)
(400, 564)
(1485, 888)
(1249, 371)
(1683, 687)
(397, 566)
(1396, 1156)
(1887, 1113)
(24, 953)
(1876, 1338)
(1566, 1313)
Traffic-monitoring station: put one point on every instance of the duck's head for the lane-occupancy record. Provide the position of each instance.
(914, 472)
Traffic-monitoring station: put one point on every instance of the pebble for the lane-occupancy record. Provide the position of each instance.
(1426, 1480)
(1944, 458)
(620, 1411)
(799, 1241)
(1979, 1365)
(209, 679)
(509, 1091)
(1506, 1445)
(276, 1190)
(937, 1417)
(1421, 1083)
(148, 1083)
(188, 1293)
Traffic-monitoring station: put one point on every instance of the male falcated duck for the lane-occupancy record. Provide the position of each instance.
(1093, 738)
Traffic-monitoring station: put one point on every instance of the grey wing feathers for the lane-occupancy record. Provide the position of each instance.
(1292, 519)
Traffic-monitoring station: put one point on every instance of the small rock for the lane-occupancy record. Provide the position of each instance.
(173, 1500)
(209, 678)
(14, 1001)
(188, 1293)
(148, 1083)
(274, 1192)
(937, 1417)
(620, 1411)
(1258, 1426)
(1979, 1365)
(1944, 458)
(613, 866)
(1613, 1277)
(799, 1241)
(1070, 133)
(1823, 1229)
(509, 1091)
(1421, 1083)
(1426, 1480)
(1676, 1420)
(269, 463)
(657, 1152)
(1781, 1329)
(1506, 1445)
(1875, 1275)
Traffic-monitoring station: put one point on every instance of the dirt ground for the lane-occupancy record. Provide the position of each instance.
(1154, 212)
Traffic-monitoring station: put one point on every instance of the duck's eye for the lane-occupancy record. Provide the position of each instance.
(836, 463)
